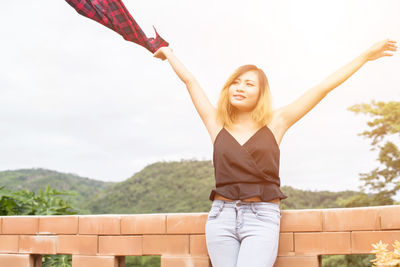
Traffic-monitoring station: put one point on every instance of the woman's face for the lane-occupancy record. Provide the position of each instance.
(244, 91)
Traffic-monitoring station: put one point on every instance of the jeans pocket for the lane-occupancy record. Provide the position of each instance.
(268, 215)
(213, 213)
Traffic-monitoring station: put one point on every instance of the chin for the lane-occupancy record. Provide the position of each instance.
(241, 107)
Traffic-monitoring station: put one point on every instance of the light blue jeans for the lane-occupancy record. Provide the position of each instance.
(243, 234)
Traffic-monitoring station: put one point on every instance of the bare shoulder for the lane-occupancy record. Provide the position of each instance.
(277, 125)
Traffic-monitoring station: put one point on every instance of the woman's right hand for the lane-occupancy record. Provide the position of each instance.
(161, 52)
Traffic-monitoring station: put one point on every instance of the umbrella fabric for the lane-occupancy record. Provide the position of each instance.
(114, 15)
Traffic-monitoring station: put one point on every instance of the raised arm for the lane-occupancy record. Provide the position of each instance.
(201, 102)
(294, 111)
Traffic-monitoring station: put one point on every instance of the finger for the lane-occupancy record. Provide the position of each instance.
(387, 54)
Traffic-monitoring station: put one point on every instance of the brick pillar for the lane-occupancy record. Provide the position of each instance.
(37, 260)
(98, 261)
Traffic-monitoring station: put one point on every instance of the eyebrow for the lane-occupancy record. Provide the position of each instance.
(245, 80)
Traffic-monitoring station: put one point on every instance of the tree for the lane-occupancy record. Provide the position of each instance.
(383, 181)
(46, 202)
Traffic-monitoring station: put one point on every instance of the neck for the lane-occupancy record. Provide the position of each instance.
(244, 118)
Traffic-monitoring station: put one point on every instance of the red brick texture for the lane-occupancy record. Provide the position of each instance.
(58, 225)
(9, 243)
(28, 225)
(17, 260)
(77, 244)
(143, 224)
(104, 240)
(297, 261)
(95, 261)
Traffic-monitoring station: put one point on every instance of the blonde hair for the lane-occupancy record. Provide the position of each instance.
(262, 112)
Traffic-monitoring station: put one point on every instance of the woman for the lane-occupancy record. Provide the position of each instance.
(242, 228)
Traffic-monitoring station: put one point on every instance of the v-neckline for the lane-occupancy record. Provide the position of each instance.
(251, 137)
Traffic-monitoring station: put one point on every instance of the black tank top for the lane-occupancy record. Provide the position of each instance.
(248, 170)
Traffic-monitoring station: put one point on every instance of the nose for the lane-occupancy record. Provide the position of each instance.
(240, 87)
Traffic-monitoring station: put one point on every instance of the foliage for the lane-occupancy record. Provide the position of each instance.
(46, 202)
(57, 261)
(180, 186)
(384, 257)
(142, 261)
(184, 186)
(81, 189)
(365, 200)
(354, 260)
(384, 129)
(160, 187)
(306, 199)
(24, 202)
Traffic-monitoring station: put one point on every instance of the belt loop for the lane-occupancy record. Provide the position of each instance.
(222, 205)
(252, 206)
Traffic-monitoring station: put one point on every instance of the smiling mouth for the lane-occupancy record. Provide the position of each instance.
(239, 97)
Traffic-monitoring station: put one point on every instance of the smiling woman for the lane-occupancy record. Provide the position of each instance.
(243, 224)
(246, 89)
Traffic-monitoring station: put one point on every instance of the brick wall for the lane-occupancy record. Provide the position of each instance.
(104, 240)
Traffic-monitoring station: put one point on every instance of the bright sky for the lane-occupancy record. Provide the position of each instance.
(75, 97)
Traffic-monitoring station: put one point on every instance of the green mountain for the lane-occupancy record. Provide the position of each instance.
(181, 186)
(36, 179)
(162, 187)
(185, 187)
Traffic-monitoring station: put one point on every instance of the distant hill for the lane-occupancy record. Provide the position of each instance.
(36, 179)
(181, 186)
(185, 187)
(162, 187)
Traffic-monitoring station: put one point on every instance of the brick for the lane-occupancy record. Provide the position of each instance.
(389, 217)
(189, 223)
(17, 260)
(165, 244)
(100, 225)
(185, 261)
(120, 245)
(58, 225)
(361, 242)
(9, 243)
(77, 244)
(322, 243)
(301, 221)
(143, 224)
(298, 261)
(350, 219)
(38, 244)
(198, 245)
(286, 243)
(98, 261)
(20, 225)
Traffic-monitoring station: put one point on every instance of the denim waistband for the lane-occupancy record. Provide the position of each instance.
(237, 203)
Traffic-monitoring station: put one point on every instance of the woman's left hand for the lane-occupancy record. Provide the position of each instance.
(380, 49)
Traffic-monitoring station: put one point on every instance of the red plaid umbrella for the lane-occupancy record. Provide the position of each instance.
(114, 15)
